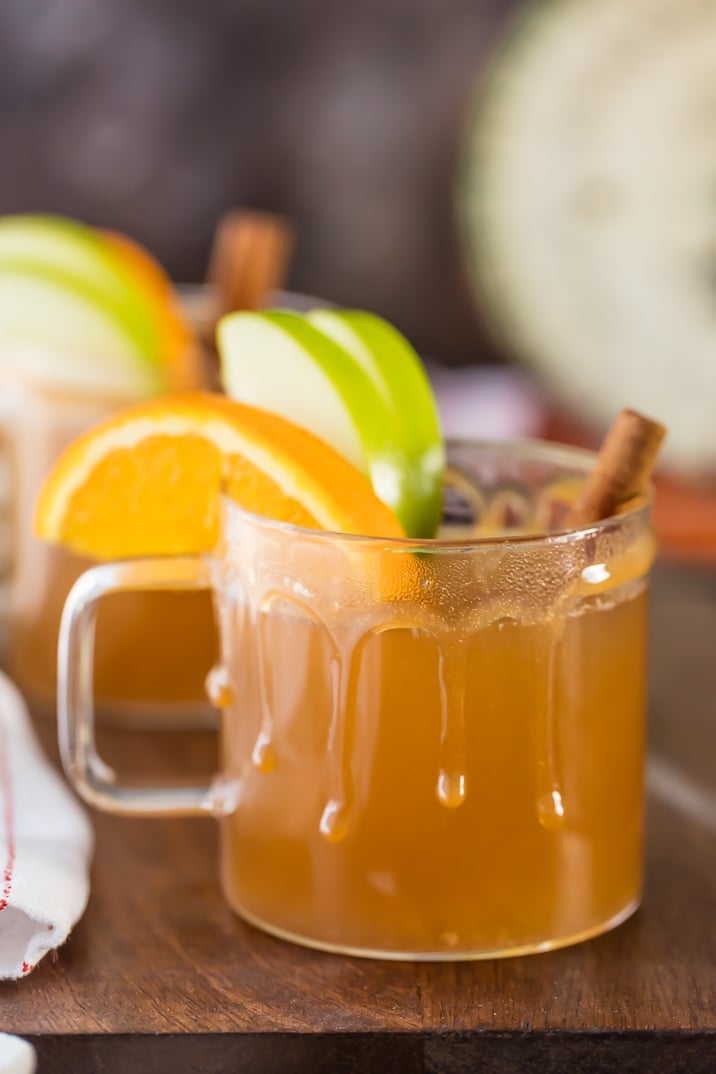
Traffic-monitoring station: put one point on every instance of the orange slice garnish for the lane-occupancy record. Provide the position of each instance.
(147, 481)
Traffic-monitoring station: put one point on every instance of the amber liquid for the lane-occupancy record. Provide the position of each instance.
(473, 794)
(152, 653)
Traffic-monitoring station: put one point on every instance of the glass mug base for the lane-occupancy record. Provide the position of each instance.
(444, 955)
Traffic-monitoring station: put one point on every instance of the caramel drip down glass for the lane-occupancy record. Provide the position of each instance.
(430, 750)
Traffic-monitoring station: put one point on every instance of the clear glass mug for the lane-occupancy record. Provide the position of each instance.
(38, 421)
(429, 750)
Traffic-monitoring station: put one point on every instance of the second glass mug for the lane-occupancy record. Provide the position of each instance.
(441, 744)
(167, 691)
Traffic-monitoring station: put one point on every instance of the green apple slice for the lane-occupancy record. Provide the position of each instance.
(78, 255)
(280, 362)
(399, 375)
(64, 334)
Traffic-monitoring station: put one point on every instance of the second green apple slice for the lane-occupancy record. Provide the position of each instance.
(59, 331)
(78, 257)
(398, 373)
(280, 362)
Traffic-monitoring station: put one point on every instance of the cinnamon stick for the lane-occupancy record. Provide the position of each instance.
(622, 470)
(249, 258)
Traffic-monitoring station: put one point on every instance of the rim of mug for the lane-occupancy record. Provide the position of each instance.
(539, 450)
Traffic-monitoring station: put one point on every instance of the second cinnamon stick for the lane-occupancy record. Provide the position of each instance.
(622, 470)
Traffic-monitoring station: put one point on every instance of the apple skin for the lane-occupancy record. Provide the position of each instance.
(399, 374)
(282, 362)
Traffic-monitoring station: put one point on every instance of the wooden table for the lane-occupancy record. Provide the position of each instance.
(160, 975)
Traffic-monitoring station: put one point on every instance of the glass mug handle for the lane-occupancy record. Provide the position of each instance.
(94, 780)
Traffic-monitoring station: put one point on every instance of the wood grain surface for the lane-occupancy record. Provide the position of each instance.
(160, 974)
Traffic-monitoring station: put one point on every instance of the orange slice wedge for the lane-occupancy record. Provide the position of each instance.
(147, 481)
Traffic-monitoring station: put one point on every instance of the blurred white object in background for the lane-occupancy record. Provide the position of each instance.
(589, 209)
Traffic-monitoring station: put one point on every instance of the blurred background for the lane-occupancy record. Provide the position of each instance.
(522, 188)
(155, 117)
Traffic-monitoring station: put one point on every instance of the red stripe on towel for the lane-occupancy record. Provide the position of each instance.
(8, 817)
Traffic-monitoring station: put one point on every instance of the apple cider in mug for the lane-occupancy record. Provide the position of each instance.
(459, 772)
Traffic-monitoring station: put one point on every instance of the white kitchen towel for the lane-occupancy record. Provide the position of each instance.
(45, 845)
